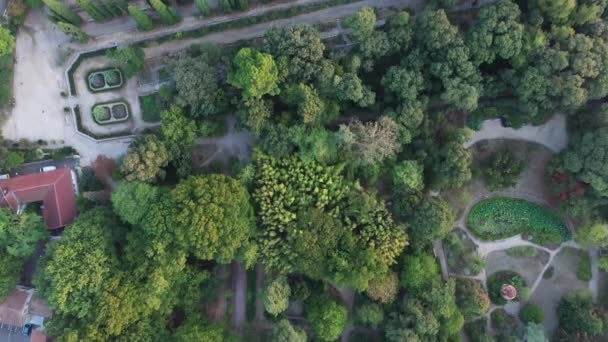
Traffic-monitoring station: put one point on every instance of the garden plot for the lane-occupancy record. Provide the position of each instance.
(110, 113)
(562, 280)
(105, 80)
(528, 264)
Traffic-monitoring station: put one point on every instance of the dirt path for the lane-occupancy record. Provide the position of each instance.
(259, 290)
(239, 288)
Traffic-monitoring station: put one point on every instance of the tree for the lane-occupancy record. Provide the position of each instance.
(10, 272)
(132, 201)
(167, 14)
(78, 268)
(327, 318)
(193, 330)
(256, 73)
(214, 217)
(276, 296)
(384, 289)
(310, 107)
(472, 298)
(578, 316)
(62, 11)
(19, 234)
(595, 234)
(535, 333)
(557, 11)
(7, 42)
(91, 8)
(255, 114)
(349, 87)
(145, 160)
(497, 32)
(179, 133)
(418, 272)
(502, 170)
(142, 20)
(531, 313)
(408, 176)
(297, 49)
(13, 159)
(203, 7)
(75, 33)
(130, 59)
(431, 220)
(450, 165)
(370, 314)
(283, 331)
(372, 142)
(197, 84)
(400, 31)
(372, 44)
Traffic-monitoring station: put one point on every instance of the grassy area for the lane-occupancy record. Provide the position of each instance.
(500, 218)
(584, 268)
(151, 107)
(522, 252)
(6, 80)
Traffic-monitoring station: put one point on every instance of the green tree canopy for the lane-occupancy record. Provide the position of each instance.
(418, 272)
(7, 42)
(132, 201)
(432, 220)
(145, 160)
(214, 217)
(256, 73)
(297, 49)
(578, 315)
(129, 59)
(276, 296)
(283, 331)
(327, 318)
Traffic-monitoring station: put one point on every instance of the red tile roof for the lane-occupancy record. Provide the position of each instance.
(53, 188)
(38, 336)
(12, 310)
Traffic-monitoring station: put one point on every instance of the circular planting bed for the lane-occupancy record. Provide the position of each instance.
(498, 279)
(502, 217)
(104, 80)
(109, 113)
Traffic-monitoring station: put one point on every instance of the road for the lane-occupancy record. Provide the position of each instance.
(34, 167)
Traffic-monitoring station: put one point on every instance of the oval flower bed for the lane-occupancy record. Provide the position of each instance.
(106, 79)
(499, 218)
(109, 113)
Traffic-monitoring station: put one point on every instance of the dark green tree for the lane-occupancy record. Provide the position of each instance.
(62, 11)
(129, 59)
(143, 21)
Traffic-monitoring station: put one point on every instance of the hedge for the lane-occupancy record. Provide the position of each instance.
(503, 217)
(248, 21)
(76, 64)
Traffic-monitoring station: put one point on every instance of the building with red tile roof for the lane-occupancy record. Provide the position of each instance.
(54, 189)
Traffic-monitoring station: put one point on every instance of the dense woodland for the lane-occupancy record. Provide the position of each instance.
(352, 147)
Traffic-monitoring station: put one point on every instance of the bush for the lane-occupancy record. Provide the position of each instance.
(502, 321)
(496, 280)
(549, 273)
(578, 316)
(327, 318)
(532, 313)
(384, 290)
(112, 77)
(502, 170)
(584, 268)
(370, 314)
(502, 217)
(276, 296)
(101, 113)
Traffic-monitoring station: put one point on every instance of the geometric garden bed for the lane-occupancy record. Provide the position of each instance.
(111, 112)
(104, 80)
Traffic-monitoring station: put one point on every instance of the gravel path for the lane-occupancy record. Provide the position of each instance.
(239, 288)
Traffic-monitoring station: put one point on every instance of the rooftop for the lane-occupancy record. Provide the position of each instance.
(53, 188)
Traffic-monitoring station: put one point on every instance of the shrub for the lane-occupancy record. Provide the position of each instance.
(584, 268)
(496, 280)
(112, 77)
(502, 170)
(142, 20)
(502, 321)
(276, 296)
(502, 217)
(101, 113)
(549, 273)
(578, 316)
(370, 314)
(532, 313)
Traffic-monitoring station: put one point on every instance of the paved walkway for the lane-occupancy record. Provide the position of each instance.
(552, 134)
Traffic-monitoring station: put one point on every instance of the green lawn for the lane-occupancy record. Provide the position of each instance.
(500, 218)
(151, 107)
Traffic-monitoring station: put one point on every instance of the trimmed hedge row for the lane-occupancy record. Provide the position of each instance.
(76, 64)
(502, 217)
(244, 22)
